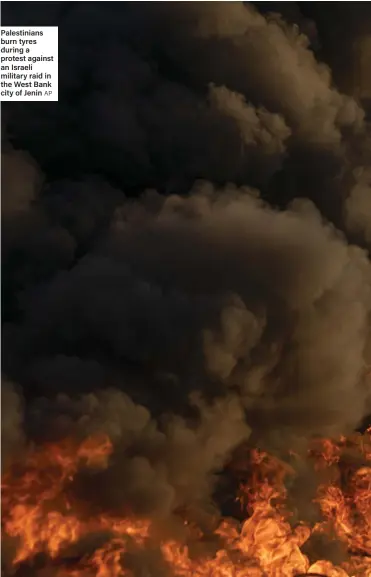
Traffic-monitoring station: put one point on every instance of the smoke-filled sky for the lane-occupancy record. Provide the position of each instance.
(186, 238)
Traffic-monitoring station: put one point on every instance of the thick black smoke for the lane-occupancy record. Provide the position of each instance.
(185, 244)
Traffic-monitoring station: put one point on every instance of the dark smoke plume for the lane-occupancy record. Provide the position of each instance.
(185, 246)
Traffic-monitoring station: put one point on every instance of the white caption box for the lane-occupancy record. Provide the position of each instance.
(29, 63)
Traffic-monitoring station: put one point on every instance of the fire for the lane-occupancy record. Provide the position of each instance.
(43, 518)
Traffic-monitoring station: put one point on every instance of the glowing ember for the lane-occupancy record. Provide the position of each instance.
(44, 518)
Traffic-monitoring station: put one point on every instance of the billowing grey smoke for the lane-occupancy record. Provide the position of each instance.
(219, 287)
(153, 470)
(244, 280)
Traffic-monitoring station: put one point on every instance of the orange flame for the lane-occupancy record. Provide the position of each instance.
(42, 519)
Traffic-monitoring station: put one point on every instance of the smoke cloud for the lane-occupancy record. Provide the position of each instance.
(185, 247)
